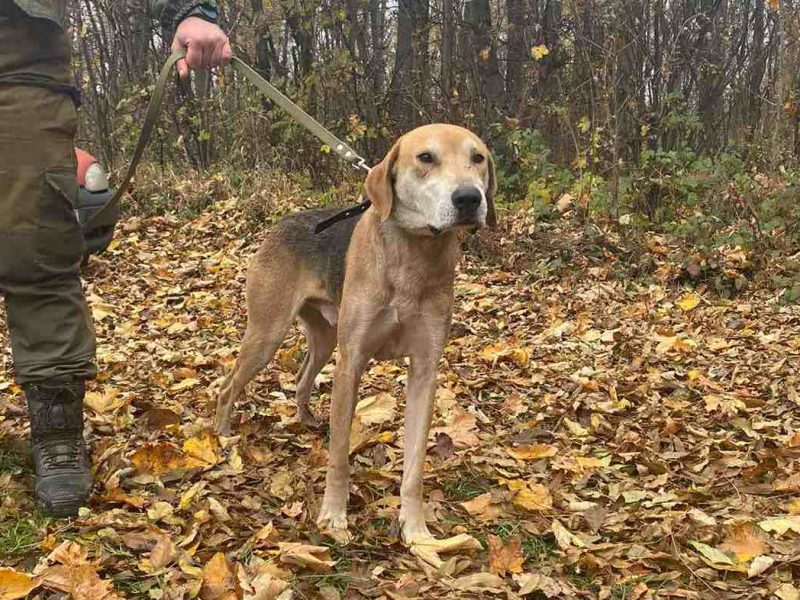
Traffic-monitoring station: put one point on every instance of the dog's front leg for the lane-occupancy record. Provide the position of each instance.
(333, 513)
(420, 395)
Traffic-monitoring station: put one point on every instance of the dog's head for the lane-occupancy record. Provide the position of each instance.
(435, 178)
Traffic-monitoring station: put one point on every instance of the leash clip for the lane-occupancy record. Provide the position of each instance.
(361, 163)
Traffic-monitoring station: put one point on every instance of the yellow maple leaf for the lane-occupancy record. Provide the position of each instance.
(204, 448)
(534, 498)
(688, 302)
(539, 52)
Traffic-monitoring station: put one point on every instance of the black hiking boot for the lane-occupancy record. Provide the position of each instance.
(63, 468)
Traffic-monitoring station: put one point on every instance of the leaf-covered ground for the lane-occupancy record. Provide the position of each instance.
(602, 436)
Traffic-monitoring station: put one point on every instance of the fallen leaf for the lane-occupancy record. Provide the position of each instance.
(159, 459)
(361, 436)
(159, 511)
(478, 504)
(218, 580)
(14, 585)
(505, 557)
(375, 410)
(204, 448)
(305, 556)
(81, 581)
(117, 496)
(759, 565)
(702, 518)
(266, 586)
(429, 550)
(564, 538)
(794, 507)
(716, 558)
(744, 542)
(163, 553)
(461, 429)
(532, 582)
(781, 525)
(184, 384)
(478, 582)
(534, 452)
(790, 484)
(534, 498)
(688, 302)
(105, 401)
(575, 428)
(787, 592)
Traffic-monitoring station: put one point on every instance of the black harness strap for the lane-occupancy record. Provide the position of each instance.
(347, 213)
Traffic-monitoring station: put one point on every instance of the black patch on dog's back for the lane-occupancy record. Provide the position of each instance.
(323, 252)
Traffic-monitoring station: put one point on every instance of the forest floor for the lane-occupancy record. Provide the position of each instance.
(600, 435)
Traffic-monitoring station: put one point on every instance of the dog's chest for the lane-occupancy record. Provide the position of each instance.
(413, 322)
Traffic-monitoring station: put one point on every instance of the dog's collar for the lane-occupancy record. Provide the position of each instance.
(347, 213)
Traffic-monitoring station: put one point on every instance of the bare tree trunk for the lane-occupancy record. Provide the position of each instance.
(447, 51)
(518, 54)
(411, 70)
(487, 81)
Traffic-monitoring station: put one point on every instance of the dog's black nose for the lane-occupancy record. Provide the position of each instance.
(467, 199)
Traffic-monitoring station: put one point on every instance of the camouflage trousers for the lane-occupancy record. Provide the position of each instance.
(41, 245)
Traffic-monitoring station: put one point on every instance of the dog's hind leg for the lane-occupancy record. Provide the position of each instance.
(321, 337)
(271, 311)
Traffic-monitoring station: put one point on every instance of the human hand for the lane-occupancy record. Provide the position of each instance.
(205, 43)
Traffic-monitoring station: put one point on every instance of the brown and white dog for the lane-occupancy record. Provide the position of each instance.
(381, 286)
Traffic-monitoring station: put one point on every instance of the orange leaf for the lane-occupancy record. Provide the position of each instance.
(158, 459)
(15, 585)
(218, 580)
(744, 542)
(505, 558)
(533, 452)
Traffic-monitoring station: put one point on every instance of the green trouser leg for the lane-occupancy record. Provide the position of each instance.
(41, 244)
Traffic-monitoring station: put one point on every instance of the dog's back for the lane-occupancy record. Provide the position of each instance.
(323, 253)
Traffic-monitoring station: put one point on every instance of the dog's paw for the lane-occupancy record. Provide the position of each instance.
(333, 523)
(307, 418)
(223, 429)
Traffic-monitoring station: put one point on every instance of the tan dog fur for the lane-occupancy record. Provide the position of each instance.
(396, 301)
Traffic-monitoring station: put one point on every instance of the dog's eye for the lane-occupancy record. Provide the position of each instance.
(478, 158)
(425, 157)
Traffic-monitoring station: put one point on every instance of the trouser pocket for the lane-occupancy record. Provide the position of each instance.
(40, 236)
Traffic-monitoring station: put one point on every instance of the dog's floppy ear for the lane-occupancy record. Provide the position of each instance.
(379, 186)
(491, 190)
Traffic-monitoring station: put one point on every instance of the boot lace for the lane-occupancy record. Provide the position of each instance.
(62, 452)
